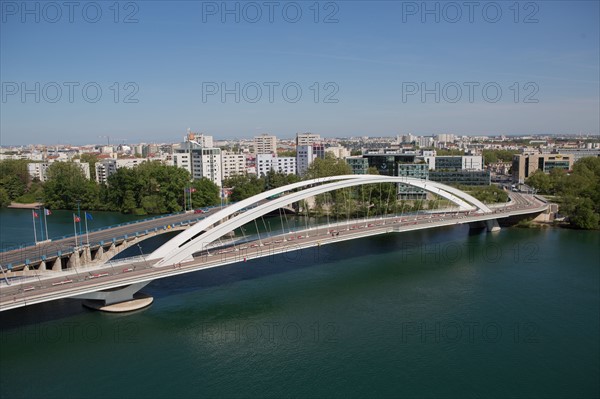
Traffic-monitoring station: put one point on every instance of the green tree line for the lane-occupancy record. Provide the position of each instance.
(154, 188)
(150, 188)
(578, 193)
(16, 185)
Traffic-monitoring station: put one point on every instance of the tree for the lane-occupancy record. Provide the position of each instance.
(150, 187)
(488, 194)
(244, 186)
(581, 213)
(91, 159)
(14, 178)
(328, 166)
(4, 198)
(493, 156)
(67, 187)
(207, 193)
(129, 204)
(278, 179)
(540, 181)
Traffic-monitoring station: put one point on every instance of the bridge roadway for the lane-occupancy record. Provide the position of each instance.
(29, 254)
(48, 287)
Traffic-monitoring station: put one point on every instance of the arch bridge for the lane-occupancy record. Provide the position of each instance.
(213, 228)
(116, 282)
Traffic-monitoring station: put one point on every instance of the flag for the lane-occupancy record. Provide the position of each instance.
(35, 214)
(48, 213)
(88, 216)
(76, 218)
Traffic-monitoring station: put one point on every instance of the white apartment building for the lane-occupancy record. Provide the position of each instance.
(306, 154)
(107, 167)
(232, 164)
(307, 138)
(265, 144)
(424, 141)
(200, 161)
(39, 170)
(446, 138)
(267, 162)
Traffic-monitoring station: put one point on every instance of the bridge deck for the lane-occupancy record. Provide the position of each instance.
(46, 287)
(32, 254)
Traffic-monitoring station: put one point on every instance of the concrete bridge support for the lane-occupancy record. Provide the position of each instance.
(86, 256)
(492, 225)
(99, 254)
(42, 266)
(74, 260)
(111, 251)
(56, 264)
(117, 300)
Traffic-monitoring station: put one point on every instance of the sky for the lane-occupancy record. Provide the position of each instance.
(146, 71)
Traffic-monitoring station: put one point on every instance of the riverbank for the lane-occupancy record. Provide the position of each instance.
(18, 205)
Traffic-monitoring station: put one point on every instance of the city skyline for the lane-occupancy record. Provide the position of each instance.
(146, 71)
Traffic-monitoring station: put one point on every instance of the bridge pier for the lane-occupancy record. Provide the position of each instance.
(74, 260)
(99, 254)
(86, 255)
(492, 225)
(118, 300)
(112, 251)
(56, 265)
(42, 266)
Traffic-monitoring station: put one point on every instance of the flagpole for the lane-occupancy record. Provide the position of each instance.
(191, 206)
(86, 230)
(184, 201)
(34, 232)
(41, 227)
(79, 215)
(75, 230)
(46, 223)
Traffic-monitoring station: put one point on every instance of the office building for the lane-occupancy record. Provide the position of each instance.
(358, 164)
(524, 165)
(265, 144)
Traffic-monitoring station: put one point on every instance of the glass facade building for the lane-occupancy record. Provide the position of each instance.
(461, 177)
(386, 163)
(359, 165)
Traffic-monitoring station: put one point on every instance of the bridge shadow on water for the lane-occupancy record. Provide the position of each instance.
(306, 258)
(252, 269)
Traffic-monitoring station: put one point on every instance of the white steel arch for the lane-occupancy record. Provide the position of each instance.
(233, 209)
(198, 237)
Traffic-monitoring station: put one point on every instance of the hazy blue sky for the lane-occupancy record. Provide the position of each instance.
(373, 57)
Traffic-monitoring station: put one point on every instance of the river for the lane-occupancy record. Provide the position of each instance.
(445, 312)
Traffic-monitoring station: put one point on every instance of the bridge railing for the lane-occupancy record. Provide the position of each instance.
(68, 249)
(112, 226)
